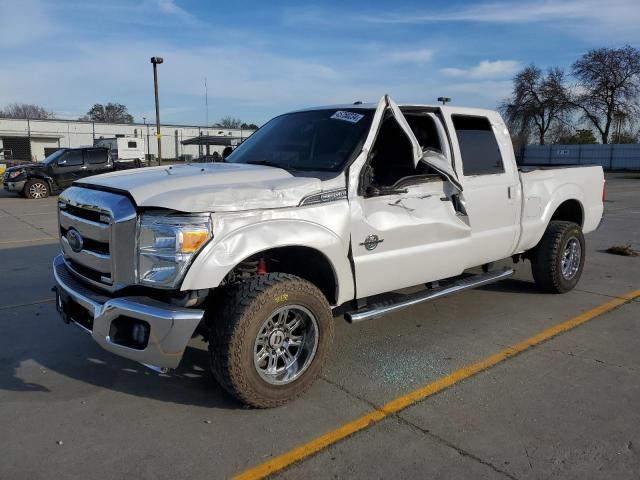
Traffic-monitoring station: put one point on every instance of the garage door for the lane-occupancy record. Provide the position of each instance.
(17, 148)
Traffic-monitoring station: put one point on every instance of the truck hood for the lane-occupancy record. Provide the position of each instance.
(209, 187)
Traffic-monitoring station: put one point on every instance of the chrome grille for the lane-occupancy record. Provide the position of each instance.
(103, 247)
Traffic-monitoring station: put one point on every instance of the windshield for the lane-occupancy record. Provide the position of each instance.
(317, 140)
(54, 156)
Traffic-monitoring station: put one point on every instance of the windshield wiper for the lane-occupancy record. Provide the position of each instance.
(265, 162)
(269, 163)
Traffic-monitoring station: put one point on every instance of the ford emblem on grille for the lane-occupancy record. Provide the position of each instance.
(75, 240)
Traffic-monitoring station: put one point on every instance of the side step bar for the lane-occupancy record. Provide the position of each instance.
(409, 300)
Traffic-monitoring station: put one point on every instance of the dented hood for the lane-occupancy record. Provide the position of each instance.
(209, 187)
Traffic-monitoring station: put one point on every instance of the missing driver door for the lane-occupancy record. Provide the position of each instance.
(405, 231)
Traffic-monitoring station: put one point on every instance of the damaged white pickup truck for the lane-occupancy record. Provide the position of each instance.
(321, 212)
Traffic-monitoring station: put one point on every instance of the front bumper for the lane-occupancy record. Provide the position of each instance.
(14, 186)
(170, 327)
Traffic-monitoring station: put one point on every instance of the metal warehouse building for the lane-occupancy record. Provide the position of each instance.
(35, 139)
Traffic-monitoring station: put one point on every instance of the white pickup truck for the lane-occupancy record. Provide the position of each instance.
(322, 212)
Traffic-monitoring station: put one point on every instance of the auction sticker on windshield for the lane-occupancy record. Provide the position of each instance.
(347, 116)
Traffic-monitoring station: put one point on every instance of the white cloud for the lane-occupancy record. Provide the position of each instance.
(24, 23)
(485, 69)
(418, 56)
(525, 12)
(595, 20)
(169, 7)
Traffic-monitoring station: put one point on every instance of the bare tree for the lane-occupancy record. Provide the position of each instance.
(229, 122)
(537, 103)
(25, 110)
(608, 86)
(111, 112)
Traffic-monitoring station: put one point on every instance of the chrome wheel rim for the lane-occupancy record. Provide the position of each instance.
(286, 344)
(571, 256)
(38, 190)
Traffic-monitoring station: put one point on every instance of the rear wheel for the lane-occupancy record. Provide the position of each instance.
(270, 339)
(558, 259)
(36, 188)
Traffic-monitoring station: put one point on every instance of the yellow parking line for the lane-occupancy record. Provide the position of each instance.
(303, 451)
(39, 239)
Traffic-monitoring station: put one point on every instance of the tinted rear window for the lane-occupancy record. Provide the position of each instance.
(96, 156)
(478, 146)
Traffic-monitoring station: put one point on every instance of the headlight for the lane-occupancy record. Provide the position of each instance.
(166, 246)
(14, 174)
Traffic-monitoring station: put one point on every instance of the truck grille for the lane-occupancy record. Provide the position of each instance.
(97, 236)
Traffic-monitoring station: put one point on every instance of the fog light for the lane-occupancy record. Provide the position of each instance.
(140, 333)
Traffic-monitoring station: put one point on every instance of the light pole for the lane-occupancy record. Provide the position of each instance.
(156, 61)
(144, 119)
(444, 100)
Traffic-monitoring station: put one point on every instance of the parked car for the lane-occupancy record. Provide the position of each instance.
(321, 212)
(59, 170)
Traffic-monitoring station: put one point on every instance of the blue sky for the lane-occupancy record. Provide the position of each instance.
(264, 58)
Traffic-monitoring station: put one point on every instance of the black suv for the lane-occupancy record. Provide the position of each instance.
(57, 171)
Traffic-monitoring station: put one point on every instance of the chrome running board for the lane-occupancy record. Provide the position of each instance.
(378, 310)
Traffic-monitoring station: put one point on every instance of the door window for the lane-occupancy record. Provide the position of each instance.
(391, 156)
(478, 146)
(95, 157)
(73, 158)
(132, 145)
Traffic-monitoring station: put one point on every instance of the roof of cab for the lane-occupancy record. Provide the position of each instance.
(450, 109)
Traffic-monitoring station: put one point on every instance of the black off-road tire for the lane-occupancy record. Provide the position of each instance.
(235, 323)
(43, 186)
(546, 258)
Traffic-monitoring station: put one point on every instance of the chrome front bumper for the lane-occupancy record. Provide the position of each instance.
(170, 327)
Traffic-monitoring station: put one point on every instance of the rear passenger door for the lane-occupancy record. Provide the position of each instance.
(96, 161)
(486, 169)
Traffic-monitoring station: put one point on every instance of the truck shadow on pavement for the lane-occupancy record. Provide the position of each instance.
(41, 355)
(66, 354)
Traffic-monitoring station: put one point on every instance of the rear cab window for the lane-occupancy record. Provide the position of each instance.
(478, 146)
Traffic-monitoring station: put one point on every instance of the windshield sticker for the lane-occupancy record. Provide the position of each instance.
(347, 116)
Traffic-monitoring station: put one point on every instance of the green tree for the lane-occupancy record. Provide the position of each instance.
(111, 112)
(579, 137)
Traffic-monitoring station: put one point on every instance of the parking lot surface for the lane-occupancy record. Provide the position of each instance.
(568, 407)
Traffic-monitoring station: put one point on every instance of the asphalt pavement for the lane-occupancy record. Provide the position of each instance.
(568, 407)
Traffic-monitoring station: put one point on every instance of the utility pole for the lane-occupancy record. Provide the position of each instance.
(144, 119)
(206, 102)
(156, 61)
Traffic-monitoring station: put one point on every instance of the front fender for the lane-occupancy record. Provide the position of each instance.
(222, 254)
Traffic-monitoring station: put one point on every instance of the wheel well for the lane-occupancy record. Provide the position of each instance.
(569, 210)
(304, 262)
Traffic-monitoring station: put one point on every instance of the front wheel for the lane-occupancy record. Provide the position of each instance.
(36, 188)
(270, 339)
(558, 259)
